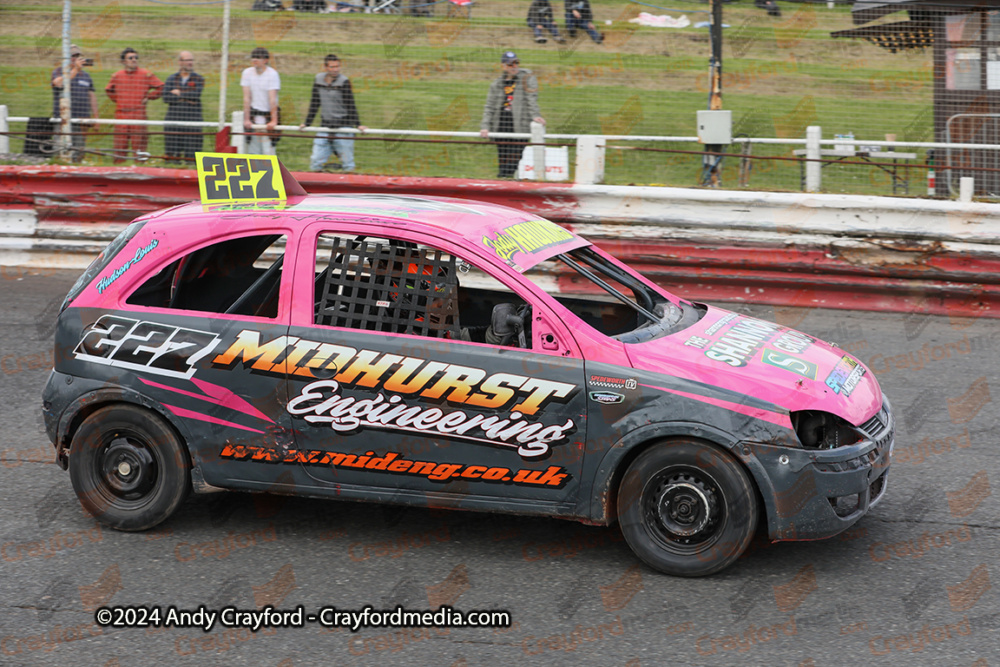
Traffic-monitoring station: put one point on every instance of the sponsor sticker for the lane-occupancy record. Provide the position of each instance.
(606, 397)
(739, 344)
(322, 402)
(806, 369)
(613, 382)
(528, 237)
(845, 376)
(396, 463)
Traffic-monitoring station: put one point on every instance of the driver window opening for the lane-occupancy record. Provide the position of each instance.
(401, 287)
(236, 277)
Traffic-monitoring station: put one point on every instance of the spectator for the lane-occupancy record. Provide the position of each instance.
(82, 100)
(511, 105)
(540, 17)
(260, 84)
(182, 93)
(130, 89)
(580, 17)
(333, 97)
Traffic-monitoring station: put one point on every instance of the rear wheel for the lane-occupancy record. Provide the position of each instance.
(687, 508)
(128, 468)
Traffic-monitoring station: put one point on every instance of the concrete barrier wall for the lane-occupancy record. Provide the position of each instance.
(796, 249)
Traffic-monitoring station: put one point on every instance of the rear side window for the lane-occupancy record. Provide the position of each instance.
(239, 276)
(102, 260)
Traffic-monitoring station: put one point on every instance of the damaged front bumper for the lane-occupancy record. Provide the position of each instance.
(817, 494)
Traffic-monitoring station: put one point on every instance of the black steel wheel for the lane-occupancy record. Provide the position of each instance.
(687, 508)
(128, 467)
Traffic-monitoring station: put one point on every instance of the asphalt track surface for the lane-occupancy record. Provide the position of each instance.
(917, 581)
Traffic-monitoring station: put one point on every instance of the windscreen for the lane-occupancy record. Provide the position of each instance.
(609, 297)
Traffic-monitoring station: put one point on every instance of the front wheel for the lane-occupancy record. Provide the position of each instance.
(687, 508)
(128, 467)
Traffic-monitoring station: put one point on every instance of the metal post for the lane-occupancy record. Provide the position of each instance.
(966, 187)
(538, 151)
(4, 129)
(65, 100)
(715, 65)
(814, 168)
(590, 159)
(224, 66)
(236, 136)
(711, 165)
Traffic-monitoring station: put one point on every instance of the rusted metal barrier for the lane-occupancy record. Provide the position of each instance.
(790, 249)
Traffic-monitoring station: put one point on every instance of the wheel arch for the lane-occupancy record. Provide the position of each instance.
(84, 406)
(611, 470)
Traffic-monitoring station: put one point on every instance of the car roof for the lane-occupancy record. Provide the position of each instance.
(469, 223)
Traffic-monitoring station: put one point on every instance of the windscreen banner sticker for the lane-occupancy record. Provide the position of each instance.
(149, 347)
(393, 462)
(105, 282)
(226, 178)
(845, 376)
(806, 369)
(393, 378)
(529, 237)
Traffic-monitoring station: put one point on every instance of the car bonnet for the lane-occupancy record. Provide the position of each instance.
(756, 358)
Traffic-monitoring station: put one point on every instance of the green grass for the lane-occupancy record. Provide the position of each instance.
(410, 73)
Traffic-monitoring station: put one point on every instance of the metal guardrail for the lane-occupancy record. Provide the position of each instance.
(590, 149)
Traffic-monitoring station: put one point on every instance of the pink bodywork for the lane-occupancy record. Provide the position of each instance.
(465, 227)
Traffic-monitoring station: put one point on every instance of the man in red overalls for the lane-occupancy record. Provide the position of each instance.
(130, 88)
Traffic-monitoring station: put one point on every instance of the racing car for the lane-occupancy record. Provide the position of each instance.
(439, 352)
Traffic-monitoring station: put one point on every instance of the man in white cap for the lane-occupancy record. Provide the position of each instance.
(511, 105)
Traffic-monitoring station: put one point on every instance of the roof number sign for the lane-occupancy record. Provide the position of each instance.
(224, 177)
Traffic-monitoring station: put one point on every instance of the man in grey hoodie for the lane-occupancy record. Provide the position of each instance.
(333, 98)
(511, 105)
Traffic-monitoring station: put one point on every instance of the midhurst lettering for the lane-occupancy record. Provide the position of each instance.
(408, 376)
(321, 403)
(395, 463)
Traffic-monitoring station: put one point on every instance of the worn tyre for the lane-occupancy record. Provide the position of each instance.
(687, 508)
(128, 467)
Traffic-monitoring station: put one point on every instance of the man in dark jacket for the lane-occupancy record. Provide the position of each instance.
(580, 17)
(182, 93)
(511, 105)
(83, 99)
(333, 98)
(539, 18)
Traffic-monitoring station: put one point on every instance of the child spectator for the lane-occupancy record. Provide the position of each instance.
(539, 18)
(580, 17)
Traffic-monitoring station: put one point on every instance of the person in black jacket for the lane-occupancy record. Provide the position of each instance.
(580, 17)
(182, 93)
(333, 98)
(539, 18)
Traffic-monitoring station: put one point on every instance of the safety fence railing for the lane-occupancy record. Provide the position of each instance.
(888, 167)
